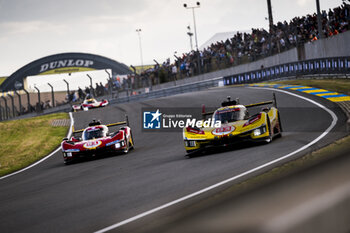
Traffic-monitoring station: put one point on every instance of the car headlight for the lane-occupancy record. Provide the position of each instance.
(117, 145)
(257, 132)
(69, 154)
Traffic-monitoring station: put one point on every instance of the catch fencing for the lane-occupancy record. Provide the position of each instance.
(321, 66)
(197, 86)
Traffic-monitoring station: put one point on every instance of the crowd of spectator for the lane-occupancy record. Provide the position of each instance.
(247, 47)
(242, 48)
(80, 94)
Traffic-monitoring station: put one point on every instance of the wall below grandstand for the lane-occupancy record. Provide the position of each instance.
(335, 46)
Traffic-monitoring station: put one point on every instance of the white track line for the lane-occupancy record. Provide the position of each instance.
(46, 157)
(334, 121)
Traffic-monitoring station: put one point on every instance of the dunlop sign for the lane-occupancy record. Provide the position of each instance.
(65, 63)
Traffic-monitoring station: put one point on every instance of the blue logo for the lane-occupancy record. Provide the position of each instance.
(151, 120)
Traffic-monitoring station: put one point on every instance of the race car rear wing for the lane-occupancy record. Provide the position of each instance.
(274, 102)
(126, 122)
(230, 102)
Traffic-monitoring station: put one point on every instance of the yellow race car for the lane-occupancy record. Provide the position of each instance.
(235, 125)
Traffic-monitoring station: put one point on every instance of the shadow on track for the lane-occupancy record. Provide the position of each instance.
(224, 149)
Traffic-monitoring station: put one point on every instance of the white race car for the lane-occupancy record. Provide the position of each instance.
(90, 103)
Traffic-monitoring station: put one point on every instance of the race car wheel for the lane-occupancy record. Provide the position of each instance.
(279, 122)
(126, 150)
(194, 153)
(278, 129)
(127, 142)
(131, 142)
(68, 161)
(269, 138)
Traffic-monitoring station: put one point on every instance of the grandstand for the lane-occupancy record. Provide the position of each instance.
(230, 55)
(231, 49)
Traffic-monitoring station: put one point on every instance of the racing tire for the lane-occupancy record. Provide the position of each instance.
(269, 138)
(126, 150)
(132, 143)
(279, 122)
(193, 153)
(68, 162)
(127, 142)
(279, 133)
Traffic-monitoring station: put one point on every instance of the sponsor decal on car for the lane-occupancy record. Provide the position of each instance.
(223, 130)
(92, 144)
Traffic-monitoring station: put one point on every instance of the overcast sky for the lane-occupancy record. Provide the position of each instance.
(32, 29)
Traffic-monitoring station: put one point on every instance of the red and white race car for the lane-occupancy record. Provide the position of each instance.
(97, 140)
(90, 103)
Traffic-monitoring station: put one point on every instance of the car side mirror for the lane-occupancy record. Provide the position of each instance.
(65, 139)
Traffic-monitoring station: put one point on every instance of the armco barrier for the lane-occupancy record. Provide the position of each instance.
(197, 86)
(334, 65)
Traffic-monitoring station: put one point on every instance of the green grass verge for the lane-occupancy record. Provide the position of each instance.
(336, 85)
(28, 140)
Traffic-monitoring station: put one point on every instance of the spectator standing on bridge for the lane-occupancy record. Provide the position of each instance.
(74, 97)
(87, 91)
(81, 94)
(174, 71)
(97, 90)
(103, 89)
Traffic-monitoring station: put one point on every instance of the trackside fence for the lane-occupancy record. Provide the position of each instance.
(321, 66)
(176, 89)
(197, 86)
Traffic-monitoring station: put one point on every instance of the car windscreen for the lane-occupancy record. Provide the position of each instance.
(93, 133)
(229, 115)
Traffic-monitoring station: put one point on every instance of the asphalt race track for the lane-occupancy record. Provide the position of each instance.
(92, 195)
